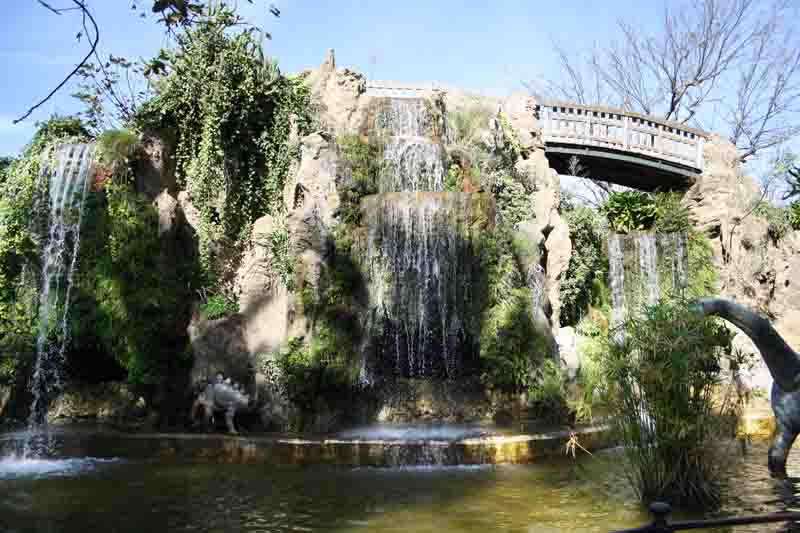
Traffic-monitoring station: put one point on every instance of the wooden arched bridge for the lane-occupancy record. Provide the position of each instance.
(612, 144)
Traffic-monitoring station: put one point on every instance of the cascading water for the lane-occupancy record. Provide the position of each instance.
(68, 185)
(421, 268)
(648, 266)
(642, 267)
(616, 275)
(420, 258)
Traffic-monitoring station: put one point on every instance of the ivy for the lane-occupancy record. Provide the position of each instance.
(234, 114)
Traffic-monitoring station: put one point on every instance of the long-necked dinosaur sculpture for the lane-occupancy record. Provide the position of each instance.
(784, 366)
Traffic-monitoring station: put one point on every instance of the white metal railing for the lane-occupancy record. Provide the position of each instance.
(393, 89)
(568, 123)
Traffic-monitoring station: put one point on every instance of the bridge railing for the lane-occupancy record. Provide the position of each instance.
(393, 89)
(569, 123)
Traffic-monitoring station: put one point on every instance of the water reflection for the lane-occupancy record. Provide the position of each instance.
(588, 495)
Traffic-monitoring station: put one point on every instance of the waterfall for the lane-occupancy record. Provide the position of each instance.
(420, 261)
(405, 117)
(674, 245)
(642, 266)
(648, 266)
(412, 164)
(421, 267)
(616, 275)
(68, 185)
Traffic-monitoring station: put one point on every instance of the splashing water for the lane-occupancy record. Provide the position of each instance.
(68, 185)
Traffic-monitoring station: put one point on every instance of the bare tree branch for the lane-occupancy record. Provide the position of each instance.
(740, 56)
(82, 6)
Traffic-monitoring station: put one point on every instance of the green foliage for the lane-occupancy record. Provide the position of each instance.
(280, 254)
(702, 274)
(630, 211)
(588, 264)
(308, 374)
(667, 404)
(673, 217)
(510, 343)
(364, 160)
(233, 113)
(590, 380)
(547, 393)
(511, 138)
(794, 216)
(469, 157)
(217, 306)
(129, 300)
(454, 179)
(5, 164)
(781, 219)
(23, 211)
(116, 146)
(512, 195)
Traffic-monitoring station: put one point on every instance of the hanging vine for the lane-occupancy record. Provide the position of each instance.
(235, 116)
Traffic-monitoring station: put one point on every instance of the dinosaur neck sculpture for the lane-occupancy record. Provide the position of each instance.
(783, 364)
(782, 361)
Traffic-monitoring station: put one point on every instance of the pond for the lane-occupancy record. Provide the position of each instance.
(589, 494)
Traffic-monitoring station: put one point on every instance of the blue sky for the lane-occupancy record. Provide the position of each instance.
(488, 45)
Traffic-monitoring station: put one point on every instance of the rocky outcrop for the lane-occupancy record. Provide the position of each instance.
(339, 95)
(155, 166)
(106, 402)
(755, 268)
(220, 346)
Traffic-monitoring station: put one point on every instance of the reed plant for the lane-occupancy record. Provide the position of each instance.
(665, 372)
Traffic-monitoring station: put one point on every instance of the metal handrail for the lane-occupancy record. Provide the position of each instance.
(661, 524)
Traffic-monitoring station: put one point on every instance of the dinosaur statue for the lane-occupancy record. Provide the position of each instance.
(221, 395)
(784, 366)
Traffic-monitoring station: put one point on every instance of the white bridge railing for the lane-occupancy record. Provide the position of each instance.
(393, 89)
(593, 126)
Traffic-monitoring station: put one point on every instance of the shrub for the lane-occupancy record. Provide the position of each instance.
(218, 306)
(116, 146)
(588, 265)
(511, 345)
(664, 374)
(547, 393)
(630, 211)
(672, 215)
(363, 157)
(128, 301)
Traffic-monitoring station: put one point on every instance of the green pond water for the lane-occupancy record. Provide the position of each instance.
(562, 495)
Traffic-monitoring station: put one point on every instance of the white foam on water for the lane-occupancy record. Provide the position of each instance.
(411, 432)
(14, 467)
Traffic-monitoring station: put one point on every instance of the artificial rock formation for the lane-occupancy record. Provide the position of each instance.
(756, 267)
